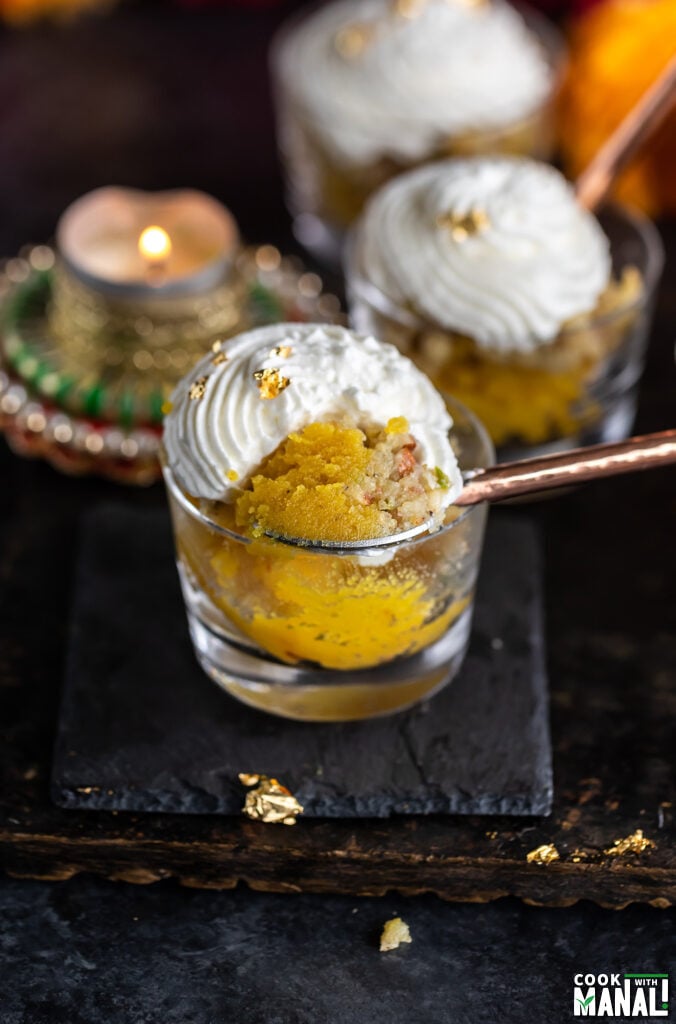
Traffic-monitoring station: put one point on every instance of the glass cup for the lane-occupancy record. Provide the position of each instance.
(325, 197)
(579, 389)
(331, 632)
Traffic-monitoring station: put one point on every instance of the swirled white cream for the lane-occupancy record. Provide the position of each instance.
(448, 68)
(534, 259)
(217, 439)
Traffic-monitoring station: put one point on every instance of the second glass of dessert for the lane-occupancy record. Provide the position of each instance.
(514, 299)
(366, 89)
(311, 476)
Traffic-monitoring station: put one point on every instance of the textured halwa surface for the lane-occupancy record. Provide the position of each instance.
(335, 482)
(302, 606)
(544, 395)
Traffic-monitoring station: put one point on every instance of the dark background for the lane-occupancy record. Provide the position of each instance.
(149, 96)
(159, 97)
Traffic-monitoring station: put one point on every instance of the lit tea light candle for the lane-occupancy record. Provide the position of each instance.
(143, 284)
(135, 245)
(155, 247)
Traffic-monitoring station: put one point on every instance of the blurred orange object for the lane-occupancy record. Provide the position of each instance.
(24, 12)
(617, 50)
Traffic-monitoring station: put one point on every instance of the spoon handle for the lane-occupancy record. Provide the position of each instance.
(642, 120)
(567, 468)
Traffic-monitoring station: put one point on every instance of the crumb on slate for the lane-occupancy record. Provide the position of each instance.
(395, 932)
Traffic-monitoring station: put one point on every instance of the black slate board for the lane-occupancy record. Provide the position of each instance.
(143, 729)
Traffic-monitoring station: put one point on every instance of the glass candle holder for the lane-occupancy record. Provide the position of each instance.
(325, 196)
(578, 389)
(331, 632)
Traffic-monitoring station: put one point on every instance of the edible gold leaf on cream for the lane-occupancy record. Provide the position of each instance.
(414, 8)
(197, 389)
(409, 8)
(464, 225)
(351, 40)
(270, 382)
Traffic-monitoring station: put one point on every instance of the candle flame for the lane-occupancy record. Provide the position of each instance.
(154, 244)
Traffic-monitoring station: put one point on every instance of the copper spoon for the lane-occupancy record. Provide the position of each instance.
(530, 476)
(643, 119)
(542, 473)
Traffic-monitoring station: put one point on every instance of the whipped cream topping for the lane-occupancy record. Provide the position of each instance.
(380, 83)
(216, 439)
(497, 249)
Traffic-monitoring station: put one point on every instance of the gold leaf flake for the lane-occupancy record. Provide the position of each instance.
(545, 854)
(197, 389)
(635, 843)
(270, 382)
(217, 349)
(269, 801)
(282, 351)
(463, 225)
(351, 40)
(409, 9)
(394, 933)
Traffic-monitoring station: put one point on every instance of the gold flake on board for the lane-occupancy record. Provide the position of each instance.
(634, 843)
(545, 854)
(395, 932)
(269, 801)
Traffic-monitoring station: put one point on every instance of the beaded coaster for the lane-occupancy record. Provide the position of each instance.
(106, 419)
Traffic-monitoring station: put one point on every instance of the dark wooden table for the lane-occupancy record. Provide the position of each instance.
(161, 98)
(89, 951)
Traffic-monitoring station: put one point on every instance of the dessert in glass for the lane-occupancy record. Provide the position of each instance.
(514, 299)
(311, 475)
(366, 89)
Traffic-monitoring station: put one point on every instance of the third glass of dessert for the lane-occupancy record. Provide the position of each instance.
(514, 299)
(311, 476)
(366, 89)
